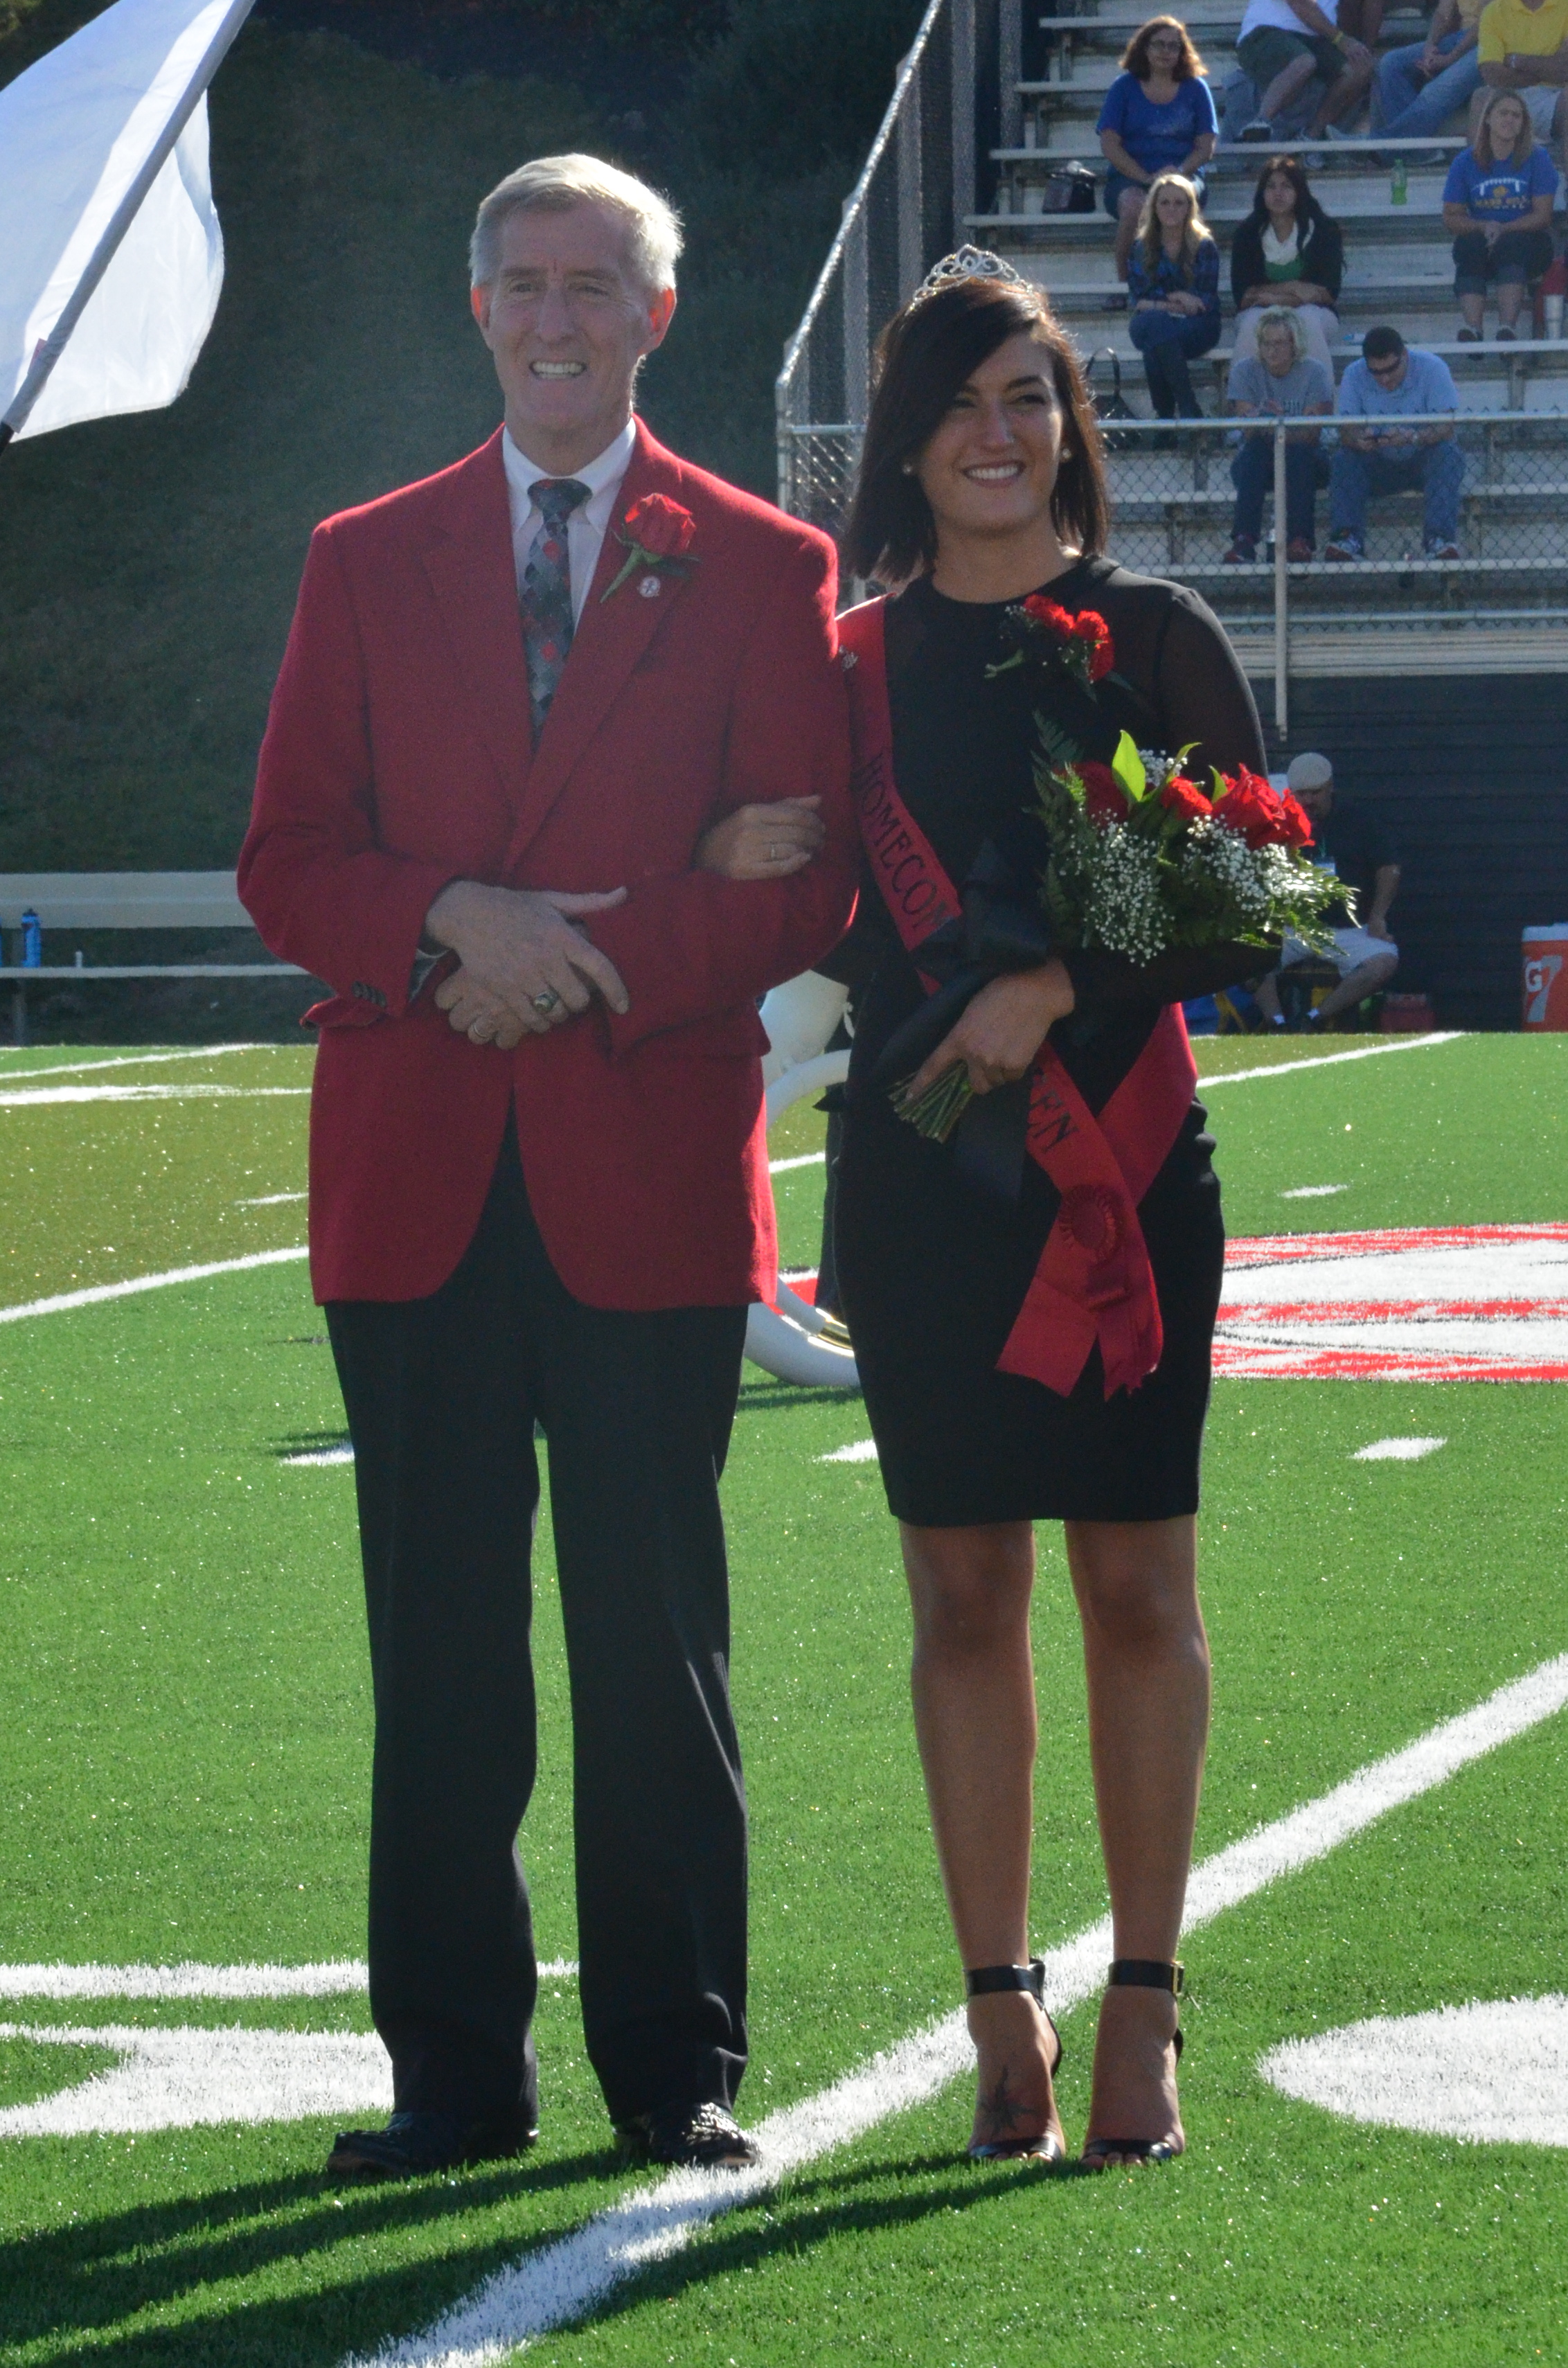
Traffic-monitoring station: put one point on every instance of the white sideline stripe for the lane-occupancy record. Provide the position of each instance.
(804, 1159)
(102, 1291)
(319, 1455)
(549, 2288)
(1305, 1191)
(275, 1199)
(54, 1095)
(859, 1451)
(1397, 1451)
(1327, 1060)
(134, 1060)
(338, 1977)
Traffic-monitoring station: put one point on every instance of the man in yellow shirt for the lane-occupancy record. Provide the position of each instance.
(1523, 45)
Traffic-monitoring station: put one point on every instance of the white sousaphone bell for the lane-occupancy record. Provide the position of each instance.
(787, 1340)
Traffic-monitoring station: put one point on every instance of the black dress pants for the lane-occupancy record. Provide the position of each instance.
(442, 1395)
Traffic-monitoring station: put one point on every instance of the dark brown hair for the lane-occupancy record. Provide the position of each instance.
(924, 356)
(1308, 210)
(1135, 56)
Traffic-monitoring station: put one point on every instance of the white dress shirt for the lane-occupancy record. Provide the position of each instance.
(589, 522)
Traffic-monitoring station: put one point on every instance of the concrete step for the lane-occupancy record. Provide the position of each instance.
(1205, 20)
(1362, 198)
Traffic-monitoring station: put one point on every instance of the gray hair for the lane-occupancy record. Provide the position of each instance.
(555, 184)
(1283, 316)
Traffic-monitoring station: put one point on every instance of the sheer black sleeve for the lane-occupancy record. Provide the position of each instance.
(1174, 649)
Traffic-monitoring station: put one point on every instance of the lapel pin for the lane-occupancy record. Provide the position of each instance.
(650, 587)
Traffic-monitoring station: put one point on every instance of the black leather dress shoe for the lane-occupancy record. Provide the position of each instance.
(412, 2145)
(695, 2137)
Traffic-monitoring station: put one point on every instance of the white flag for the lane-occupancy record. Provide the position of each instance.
(111, 259)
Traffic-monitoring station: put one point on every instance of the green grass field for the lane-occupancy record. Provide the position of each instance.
(186, 1715)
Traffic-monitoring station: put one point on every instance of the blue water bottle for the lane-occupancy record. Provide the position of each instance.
(32, 940)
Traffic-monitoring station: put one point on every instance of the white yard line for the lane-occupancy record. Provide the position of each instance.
(134, 1060)
(804, 1159)
(1397, 1451)
(275, 1199)
(1327, 1060)
(99, 1292)
(551, 2287)
(55, 1095)
(339, 1978)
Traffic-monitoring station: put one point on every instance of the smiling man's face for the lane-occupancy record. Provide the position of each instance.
(567, 324)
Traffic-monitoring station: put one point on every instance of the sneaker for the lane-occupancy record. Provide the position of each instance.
(1298, 552)
(1343, 546)
(1258, 129)
(1467, 337)
(1243, 552)
(1436, 549)
(1113, 304)
(1506, 336)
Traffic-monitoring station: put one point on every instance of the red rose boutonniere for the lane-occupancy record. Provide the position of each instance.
(657, 534)
(1050, 635)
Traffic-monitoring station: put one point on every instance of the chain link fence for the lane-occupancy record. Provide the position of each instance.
(923, 178)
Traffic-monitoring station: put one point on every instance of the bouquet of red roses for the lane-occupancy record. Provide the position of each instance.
(1143, 860)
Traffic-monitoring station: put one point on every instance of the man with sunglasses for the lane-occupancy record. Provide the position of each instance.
(1394, 385)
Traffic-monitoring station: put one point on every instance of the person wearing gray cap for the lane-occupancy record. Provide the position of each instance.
(1355, 845)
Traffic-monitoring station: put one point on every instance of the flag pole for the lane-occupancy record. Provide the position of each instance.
(120, 222)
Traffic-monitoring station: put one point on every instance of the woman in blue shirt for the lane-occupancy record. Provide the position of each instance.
(1173, 280)
(1158, 117)
(1497, 201)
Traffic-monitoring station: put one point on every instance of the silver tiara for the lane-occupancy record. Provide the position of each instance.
(969, 263)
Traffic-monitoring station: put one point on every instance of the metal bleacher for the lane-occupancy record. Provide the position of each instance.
(987, 105)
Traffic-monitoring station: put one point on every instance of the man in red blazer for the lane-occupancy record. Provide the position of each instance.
(524, 708)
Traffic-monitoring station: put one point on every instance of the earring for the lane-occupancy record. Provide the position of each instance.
(906, 468)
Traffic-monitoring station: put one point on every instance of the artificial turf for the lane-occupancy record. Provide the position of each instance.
(186, 1714)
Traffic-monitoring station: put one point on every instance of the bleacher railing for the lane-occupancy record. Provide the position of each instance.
(908, 207)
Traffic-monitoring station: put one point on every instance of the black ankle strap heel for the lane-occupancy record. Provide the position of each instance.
(1140, 1974)
(980, 1981)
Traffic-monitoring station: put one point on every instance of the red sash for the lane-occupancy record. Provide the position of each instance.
(1094, 1279)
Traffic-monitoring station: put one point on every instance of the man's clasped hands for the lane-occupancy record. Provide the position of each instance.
(526, 964)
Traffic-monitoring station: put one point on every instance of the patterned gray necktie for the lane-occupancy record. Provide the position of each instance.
(547, 592)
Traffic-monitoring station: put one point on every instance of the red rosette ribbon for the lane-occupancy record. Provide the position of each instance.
(657, 534)
(1185, 799)
(1104, 800)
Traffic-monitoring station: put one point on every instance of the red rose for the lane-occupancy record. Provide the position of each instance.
(1091, 628)
(1185, 799)
(1046, 612)
(1104, 800)
(1297, 822)
(1250, 807)
(661, 527)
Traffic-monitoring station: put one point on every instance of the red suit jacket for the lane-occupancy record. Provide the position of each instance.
(399, 756)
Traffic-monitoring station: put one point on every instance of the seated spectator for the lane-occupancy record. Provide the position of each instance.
(1173, 280)
(1158, 117)
(1353, 844)
(1392, 385)
(1497, 201)
(1522, 45)
(1282, 44)
(1420, 86)
(1287, 252)
(1280, 383)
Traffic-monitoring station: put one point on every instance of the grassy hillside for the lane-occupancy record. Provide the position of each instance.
(148, 565)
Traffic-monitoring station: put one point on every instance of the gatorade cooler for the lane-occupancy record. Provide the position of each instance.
(1546, 976)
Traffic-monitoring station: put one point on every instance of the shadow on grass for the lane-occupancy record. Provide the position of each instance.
(73, 2284)
(64, 2292)
(763, 1396)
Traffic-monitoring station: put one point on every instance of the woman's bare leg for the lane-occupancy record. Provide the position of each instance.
(972, 1684)
(1147, 1661)
(1129, 205)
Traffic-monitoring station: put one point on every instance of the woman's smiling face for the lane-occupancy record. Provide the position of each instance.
(991, 466)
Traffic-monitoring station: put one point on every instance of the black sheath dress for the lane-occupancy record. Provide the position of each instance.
(932, 1271)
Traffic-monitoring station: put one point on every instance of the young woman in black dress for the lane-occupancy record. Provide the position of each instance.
(981, 481)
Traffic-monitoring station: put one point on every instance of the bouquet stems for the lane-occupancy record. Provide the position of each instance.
(937, 1110)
